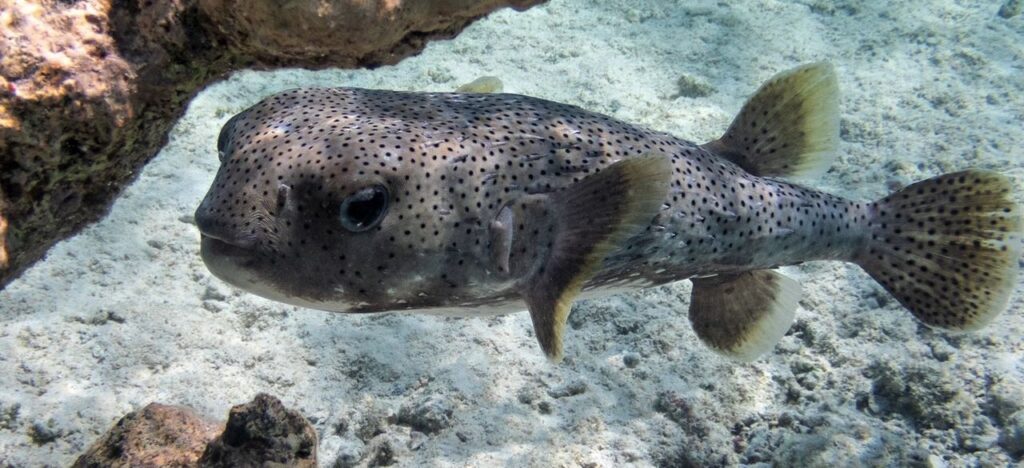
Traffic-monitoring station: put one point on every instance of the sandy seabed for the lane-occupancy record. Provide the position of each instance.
(125, 313)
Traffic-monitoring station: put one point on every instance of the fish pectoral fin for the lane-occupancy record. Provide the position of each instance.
(742, 316)
(789, 128)
(591, 218)
(501, 237)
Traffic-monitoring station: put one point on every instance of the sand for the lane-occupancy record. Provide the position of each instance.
(125, 313)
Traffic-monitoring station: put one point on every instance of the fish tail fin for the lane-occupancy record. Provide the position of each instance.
(947, 248)
(789, 127)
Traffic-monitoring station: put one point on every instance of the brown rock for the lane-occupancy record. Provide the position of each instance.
(263, 433)
(158, 435)
(259, 433)
(89, 88)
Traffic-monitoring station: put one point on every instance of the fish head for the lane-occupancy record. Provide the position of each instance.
(320, 206)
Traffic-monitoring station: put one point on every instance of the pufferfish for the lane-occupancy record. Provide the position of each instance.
(359, 200)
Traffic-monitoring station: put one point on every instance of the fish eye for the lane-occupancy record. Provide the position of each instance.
(224, 139)
(364, 209)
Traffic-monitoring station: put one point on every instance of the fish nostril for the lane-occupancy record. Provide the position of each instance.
(205, 222)
(208, 226)
(283, 191)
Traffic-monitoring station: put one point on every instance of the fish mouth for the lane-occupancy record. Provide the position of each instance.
(213, 246)
(241, 267)
(229, 262)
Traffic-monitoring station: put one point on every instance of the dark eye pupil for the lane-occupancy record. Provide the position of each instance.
(364, 209)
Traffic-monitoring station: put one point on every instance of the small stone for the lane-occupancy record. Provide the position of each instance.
(416, 440)
(44, 433)
(429, 415)
(1007, 398)
(381, 451)
(1012, 438)
(573, 388)
(345, 451)
(935, 461)
(527, 395)
(981, 436)
(545, 407)
(462, 437)
(156, 244)
(1011, 8)
(692, 87)
(213, 293)
(261, 430)
(631, 360)
(9, 416)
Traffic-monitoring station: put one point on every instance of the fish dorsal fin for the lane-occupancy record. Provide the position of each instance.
(591, 218)
(789, 128)
(742, 316)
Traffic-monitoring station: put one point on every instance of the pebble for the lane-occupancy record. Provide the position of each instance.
(631, 360)
(690, 86)
(573, 388)
(416, 440)
(1011, 8)
(1012, 438)
(44, 433)
(428, 415)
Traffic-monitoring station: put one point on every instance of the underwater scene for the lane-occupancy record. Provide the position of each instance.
(581, 233)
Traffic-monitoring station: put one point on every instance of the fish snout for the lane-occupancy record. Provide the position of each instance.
(212, 226)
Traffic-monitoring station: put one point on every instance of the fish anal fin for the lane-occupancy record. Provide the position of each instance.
(591, 218)
(742, 316)
(789, 127)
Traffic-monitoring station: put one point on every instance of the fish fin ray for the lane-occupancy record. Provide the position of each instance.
(947, 248)
(744, 315)
(592, 217)
(789, 127)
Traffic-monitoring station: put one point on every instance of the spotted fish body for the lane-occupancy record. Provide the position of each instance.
(359, 200)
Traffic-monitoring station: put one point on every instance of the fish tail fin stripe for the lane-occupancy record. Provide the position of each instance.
(947, 248)
(743, 316)
(789, 128)
(592, 218)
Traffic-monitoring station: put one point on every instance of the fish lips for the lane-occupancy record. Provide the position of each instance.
(242, 268)
(226, 261)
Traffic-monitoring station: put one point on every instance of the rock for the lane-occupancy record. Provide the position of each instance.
(89, 89)
(44, 433)
(429, 415)
(692, 87)
(1012, 438)
(576, 387)
(1007, 398)
(344, 452)
(416, 440)
(263, 431)
(256, 433)
(157, 435)
(1011, 8)
(631, 360)
(383, 450)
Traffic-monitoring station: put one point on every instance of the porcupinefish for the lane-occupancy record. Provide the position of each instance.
(357, 200)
